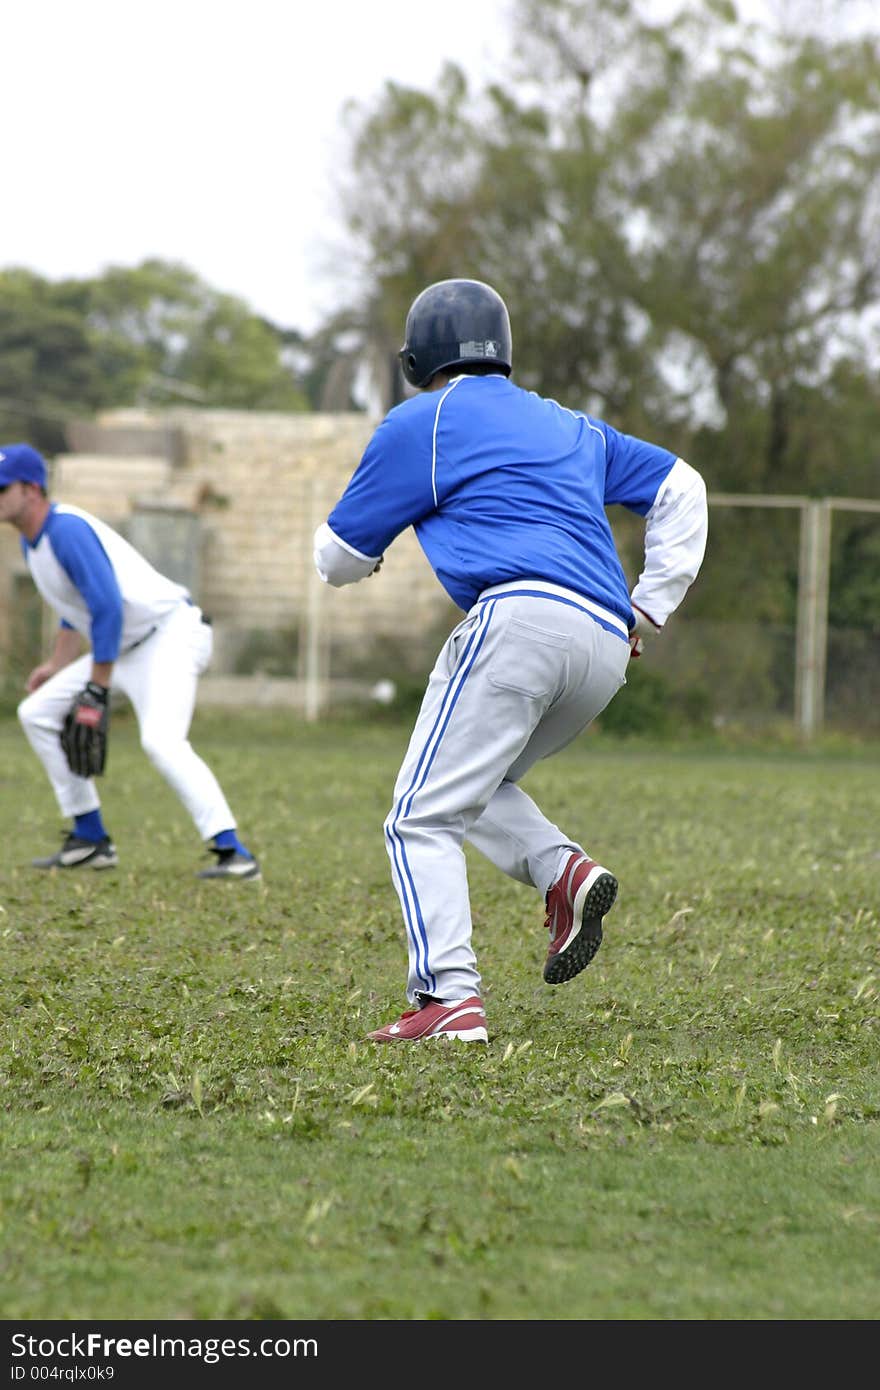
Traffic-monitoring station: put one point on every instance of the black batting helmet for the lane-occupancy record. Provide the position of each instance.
(452, 323)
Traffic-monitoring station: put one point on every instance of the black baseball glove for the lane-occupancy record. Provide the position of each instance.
(85, 729)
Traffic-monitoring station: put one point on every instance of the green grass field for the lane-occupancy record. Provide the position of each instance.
(194, 1127)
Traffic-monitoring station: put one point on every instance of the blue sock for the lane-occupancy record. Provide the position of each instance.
(227, 839)
(90, 826)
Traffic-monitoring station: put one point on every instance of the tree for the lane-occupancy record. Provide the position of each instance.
(47, 361)
(164, 334)
(683, 218)
(146, 335)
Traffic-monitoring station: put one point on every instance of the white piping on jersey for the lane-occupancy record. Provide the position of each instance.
(359, 554)
(451, 387)
(578, 415)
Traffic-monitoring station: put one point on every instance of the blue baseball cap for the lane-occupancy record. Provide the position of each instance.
(19, 463)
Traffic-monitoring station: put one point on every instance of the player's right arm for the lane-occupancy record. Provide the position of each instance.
(87, 565)
(391, 488)
(68, 645)
(338, 563)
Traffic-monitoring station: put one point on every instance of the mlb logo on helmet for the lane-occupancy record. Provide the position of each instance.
(487, 349)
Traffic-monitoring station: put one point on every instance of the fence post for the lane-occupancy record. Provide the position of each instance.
(811, 635)
(312, 636)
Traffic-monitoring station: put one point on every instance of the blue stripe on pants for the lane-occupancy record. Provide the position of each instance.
(416, 929)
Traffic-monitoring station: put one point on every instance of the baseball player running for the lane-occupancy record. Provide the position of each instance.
(507, 493)
(147, 638)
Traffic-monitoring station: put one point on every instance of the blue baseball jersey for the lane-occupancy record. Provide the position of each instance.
(96, 582)
(501, 484)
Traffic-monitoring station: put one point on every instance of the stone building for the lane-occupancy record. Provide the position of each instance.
(227, 502)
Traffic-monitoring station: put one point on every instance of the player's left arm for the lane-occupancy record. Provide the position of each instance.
(676, 531)
(671, 496)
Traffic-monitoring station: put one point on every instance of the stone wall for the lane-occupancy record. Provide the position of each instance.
(249, 490)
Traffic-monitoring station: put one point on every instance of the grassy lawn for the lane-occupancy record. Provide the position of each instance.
(194, 1127)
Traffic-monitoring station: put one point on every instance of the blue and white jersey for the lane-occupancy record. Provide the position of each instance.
(501, 484)
(98, 583)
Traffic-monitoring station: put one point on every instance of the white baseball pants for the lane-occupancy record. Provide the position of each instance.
(160, 678)
(520, 677)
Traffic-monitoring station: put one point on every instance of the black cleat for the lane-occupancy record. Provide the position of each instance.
(76, 853)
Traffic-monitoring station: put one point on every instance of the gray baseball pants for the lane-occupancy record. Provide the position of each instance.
(519, 678)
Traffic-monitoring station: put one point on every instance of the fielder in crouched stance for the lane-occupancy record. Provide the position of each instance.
(507, 494)
(147, 637)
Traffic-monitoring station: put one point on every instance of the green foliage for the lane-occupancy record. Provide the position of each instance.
(854, 601)
(655, 706)
(47, 363)
(650, 705)
(155, 333)
(270, 652)
(643, 706)
(195, 1128)
(232, 359)
(683, 231)
(682, 219)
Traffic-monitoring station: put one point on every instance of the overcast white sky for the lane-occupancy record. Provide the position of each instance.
(204, 131)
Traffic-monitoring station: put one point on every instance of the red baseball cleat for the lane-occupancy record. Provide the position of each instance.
(465, 1020)
(576, 904)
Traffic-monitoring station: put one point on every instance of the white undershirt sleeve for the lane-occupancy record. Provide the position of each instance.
(339, 563)
(676, 530)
